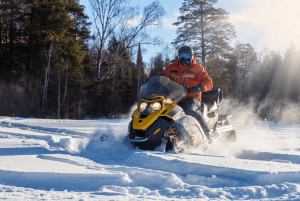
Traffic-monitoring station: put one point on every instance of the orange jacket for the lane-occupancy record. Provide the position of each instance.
(189, 76)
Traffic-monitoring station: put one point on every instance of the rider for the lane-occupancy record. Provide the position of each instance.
(194, 78)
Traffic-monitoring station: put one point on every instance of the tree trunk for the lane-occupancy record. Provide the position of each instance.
(202, 37)
(47, 74)
(99, 62)
(58, 97)
(60, 103)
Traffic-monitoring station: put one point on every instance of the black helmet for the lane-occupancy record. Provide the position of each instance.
(185, 55)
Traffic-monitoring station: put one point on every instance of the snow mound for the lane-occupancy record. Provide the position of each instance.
(87, 160)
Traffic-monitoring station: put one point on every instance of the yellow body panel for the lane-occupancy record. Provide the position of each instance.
(156, 131)
(142, 124)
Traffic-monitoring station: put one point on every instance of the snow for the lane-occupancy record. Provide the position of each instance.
(44, 159)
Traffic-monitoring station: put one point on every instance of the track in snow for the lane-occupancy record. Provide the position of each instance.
(66, 155)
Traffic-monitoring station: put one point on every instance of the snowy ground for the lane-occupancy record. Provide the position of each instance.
(66, 160)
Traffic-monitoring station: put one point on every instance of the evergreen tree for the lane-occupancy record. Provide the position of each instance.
(204, 28)
(139, 72)
(223, 72)
(278, 85)
(157, 65)
(46, 49)
(290, 85)
(115, 94)
(11, 46)
(265, 82)
(246, 62)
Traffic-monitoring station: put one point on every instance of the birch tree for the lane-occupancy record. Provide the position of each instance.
(115, 17)
(107, 15)
(48, 55)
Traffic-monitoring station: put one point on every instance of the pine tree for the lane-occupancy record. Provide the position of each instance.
(264, 82)
(204, 28)
(115, 94)
(140, 73)
(43, 50)
(11, 46)
(223, 72)
(246, 62)
(157, 65)
(290, 86)
(61, 25)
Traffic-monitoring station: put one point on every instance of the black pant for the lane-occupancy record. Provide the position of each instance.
(192, 107)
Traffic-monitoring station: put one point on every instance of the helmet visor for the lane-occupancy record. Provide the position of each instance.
(185, 56)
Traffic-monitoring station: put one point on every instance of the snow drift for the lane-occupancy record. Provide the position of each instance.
(66, 159)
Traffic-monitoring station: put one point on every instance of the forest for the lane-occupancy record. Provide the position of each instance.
(56, 62)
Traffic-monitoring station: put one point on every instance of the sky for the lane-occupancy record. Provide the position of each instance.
(272, 24)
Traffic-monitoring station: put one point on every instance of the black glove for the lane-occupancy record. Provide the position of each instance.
(195, 89)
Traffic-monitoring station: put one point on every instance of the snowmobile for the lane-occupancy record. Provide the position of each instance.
(159, 121)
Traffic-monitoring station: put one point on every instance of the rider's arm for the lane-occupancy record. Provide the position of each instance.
(205, 81)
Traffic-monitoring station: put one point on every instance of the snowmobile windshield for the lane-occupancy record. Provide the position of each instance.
(158, 86)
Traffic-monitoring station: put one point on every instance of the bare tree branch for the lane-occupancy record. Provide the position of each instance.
(115, 17)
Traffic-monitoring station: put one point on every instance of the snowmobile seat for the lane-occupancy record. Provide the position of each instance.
(211, 98)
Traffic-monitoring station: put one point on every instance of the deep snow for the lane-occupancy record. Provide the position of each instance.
(66, 160)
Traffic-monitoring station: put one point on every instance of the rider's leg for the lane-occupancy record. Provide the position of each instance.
(192, 107)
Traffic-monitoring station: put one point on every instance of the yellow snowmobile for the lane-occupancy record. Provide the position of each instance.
(159, 121)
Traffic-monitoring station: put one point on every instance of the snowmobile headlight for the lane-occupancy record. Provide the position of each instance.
(154, 107)
(142, 107)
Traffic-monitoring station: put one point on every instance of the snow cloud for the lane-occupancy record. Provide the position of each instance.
(257, 131)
